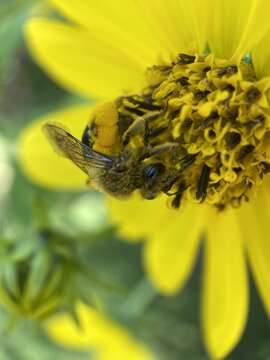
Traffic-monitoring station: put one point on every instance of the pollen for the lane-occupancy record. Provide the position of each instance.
(217, 113)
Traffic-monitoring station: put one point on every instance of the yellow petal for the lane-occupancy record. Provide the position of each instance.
(257, 24)
(40, 162)
(261, 57)
(225, 291)
(255, 221)
(232, 29)
(171, 22)
(124, 26)
(172, 242)
(109, 339)
(80, 61)
(226, 21)
(171, 251)
(135, 217)
(63, 329)
(164, 28)
(194, 15)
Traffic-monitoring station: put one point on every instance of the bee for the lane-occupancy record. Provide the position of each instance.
(106, 154)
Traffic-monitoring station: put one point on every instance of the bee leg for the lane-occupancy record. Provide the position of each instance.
(135, 128)
(153, 133)
(139, 125)
(146, 134)
(161, 149)
(171, 180)
(187, 161)
(178, 194)
(170, 183)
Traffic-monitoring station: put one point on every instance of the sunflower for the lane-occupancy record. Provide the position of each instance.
(205, 64)
(95, 332)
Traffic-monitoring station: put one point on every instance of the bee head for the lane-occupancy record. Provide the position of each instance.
(152, 180)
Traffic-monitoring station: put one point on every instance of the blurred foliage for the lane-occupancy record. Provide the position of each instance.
(54, 250)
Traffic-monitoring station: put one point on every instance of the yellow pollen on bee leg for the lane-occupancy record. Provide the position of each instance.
(104, 128)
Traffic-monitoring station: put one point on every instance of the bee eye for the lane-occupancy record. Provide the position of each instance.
(86, 136)
(152, 172)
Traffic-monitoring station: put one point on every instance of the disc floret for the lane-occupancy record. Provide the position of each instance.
(218, 114)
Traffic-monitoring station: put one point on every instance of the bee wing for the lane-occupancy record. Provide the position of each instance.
(72, 148)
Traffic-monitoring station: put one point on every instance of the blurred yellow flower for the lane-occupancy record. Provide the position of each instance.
(108, 340)
(103, 51)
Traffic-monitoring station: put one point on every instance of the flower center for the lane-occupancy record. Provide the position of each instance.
(218, 114)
